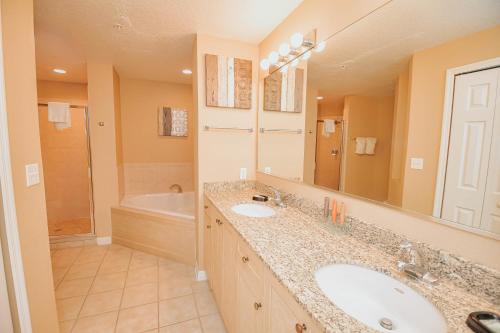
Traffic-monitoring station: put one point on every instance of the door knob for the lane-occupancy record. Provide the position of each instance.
(335, 152)
(299, 328)
(257, 305)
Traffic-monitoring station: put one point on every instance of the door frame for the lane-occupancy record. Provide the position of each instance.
(9, 211)
(446, 124)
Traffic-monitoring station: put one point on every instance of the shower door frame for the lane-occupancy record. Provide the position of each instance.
(89, 172)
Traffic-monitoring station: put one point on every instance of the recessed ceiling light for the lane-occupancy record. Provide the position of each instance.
(187, 71)
(59, 71)
(319, 98)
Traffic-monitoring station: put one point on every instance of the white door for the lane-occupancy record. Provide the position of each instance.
(473, 118)
(490, 220)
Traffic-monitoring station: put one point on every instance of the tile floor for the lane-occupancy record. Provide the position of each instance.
(102, 289)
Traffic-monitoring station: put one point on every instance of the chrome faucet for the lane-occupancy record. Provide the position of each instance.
(410, 263)
(277, 199)
(176, 188)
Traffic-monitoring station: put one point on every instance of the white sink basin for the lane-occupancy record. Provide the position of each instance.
(370, 296)
(253, 210)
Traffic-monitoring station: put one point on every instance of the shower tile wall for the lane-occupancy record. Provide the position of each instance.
(140, 178)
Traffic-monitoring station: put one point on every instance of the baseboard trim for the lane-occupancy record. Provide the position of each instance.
(103, 240)
(201, 275)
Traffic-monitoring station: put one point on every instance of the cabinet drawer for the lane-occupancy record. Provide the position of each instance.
(250, 266)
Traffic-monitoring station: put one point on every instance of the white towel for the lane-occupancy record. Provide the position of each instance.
(328, 127)
(370, 146)
(179, 122)
(59, 114)
(360, 145)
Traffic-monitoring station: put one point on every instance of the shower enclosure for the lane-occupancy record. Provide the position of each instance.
(67, 173)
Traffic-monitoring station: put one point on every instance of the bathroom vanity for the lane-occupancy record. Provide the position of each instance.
(262, 269)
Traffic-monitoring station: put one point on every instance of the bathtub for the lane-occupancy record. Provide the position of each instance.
(161, 224)
(171, 204)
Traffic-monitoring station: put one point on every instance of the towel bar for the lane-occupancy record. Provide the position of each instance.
(208, 128)
(283, 130)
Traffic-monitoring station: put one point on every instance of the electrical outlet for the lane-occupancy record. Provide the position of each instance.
(32, 174)
(243, 173)
(267, 170)
(417, 163)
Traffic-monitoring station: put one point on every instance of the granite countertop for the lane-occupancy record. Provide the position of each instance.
(294, 245)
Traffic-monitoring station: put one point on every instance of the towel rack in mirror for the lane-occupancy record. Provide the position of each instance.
(280, 130)
(208, 128)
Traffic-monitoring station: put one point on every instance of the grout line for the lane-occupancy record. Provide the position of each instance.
(123, 291)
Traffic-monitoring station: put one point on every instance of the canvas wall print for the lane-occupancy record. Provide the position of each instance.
(284, 92)
(172, 121)
(228, 82)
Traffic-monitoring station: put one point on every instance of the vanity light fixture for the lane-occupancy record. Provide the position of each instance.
(187, 71)
(320, 47)
(264, 64)
(306, 55)
(284, 49)
(320, 98)
(296, 40)
(59, 71)
(273, 57)
(284, 69)
(295, 62)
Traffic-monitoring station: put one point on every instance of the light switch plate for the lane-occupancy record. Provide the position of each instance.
(243, 173)
(32, 174)
(417, 163)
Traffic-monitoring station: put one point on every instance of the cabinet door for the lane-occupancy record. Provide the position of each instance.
(250, 307)
(217, 247)
(207, 248)
(281, 318)
(228, 306)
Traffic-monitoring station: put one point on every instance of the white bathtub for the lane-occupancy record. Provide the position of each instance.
(172, 204)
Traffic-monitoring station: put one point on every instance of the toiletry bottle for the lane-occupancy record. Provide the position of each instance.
(334, 211)
(342, 213)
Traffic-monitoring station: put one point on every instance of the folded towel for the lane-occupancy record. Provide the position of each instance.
(360, 145)
(328, 127)
(60, 115)
(370, 146)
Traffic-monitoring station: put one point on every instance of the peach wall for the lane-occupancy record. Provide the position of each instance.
(56, 91)
(22, 114)
(367, 175)
(101, 87)
(399, 140)
(140, 100)
(428, 72)
(221, 154)
(416, 227)
(118, 134)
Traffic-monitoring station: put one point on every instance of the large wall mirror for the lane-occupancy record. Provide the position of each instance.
(402, 107)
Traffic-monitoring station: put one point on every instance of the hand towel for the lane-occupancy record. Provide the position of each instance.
(370, 146)
(328, 127)
(59, 114)
(360, 145)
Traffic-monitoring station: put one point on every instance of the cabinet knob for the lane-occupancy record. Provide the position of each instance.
(299, 328)
(257, 306)
(219, 222)
(205, 206)
(209, 226)
(245, 259)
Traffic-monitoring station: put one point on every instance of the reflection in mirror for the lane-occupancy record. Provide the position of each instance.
(400, 108)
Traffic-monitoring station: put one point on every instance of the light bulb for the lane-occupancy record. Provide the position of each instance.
(295, 62)
(296, 40)
(284, 49)
(284, 69)
(320, 47)
(273, 57)
(320, 98)
(264, 64)
(306, 55)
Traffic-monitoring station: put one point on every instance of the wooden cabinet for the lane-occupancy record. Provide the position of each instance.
(248, 295)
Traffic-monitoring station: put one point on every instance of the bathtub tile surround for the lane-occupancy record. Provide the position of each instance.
(297, 230)
(141, 178)
(115, 291)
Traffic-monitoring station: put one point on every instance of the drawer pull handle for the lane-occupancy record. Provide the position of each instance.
(299, 328)
(219, 222)
(257, 306)
(245, 259)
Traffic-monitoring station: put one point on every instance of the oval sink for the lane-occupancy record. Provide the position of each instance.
(378, 300)
(253, 210)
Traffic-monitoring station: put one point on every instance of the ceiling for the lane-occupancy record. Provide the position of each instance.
(147, 39)
(366, 58)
